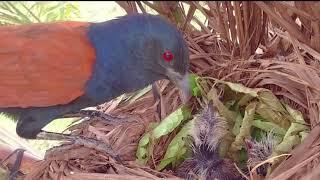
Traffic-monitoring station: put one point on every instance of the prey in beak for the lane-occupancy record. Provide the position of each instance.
(182, 81)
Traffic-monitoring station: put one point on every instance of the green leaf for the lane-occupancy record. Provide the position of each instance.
(242, 89)
(245, 99)
(223, 110)
(193, 85)
(52, 16)
(203, 87)
(171, 122)
(269, 126)
(142, 156)
(19, 12)
(245, 130)
(266, 112)
(165, 127)
(291, 138)
(25, 12)
(52, 8)
(177, 147)
(271, 109)
(268, 98)
(295, 129)
(225, 144)
(295, 114)
(230, 104)
(243, 157)
(287, 144)
(4, 174)
(303, 135)
(31, 13)
(237, 124)
(257, 133)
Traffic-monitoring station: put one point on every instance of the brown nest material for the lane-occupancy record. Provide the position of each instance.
(73, 161)
(70, 161)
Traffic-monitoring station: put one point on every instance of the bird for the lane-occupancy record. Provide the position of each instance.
(51, 69)
(205, 162)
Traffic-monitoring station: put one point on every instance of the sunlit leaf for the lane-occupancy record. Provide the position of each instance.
(303, 135)
(269, 126)
(237, 124)
(268, 98)
(266, 112)
(296, 115)
(177, 146)
(223, 110)
(25, 12)
(193, 85)
(245, 129)
(295, 129)
(166, 126)
(171, 122)
(242, 89)
(142, 150)
(287, 144)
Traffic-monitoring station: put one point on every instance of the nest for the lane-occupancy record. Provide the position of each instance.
(71, 161)
(271, 45)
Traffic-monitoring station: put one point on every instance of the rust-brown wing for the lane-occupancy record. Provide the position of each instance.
(44, 64)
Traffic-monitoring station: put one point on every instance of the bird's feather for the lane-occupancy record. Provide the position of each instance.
(44, 64)
(49, 70)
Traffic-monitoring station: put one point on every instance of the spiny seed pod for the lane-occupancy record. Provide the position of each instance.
(205, 162)
(259, 151)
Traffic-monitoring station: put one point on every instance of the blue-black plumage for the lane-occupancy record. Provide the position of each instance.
(129, 55)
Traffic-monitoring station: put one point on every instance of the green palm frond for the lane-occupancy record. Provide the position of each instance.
(25, 12)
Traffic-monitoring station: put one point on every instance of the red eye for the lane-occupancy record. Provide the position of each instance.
(167, 56)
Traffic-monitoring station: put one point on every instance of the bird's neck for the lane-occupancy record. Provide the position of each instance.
(118, 68)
